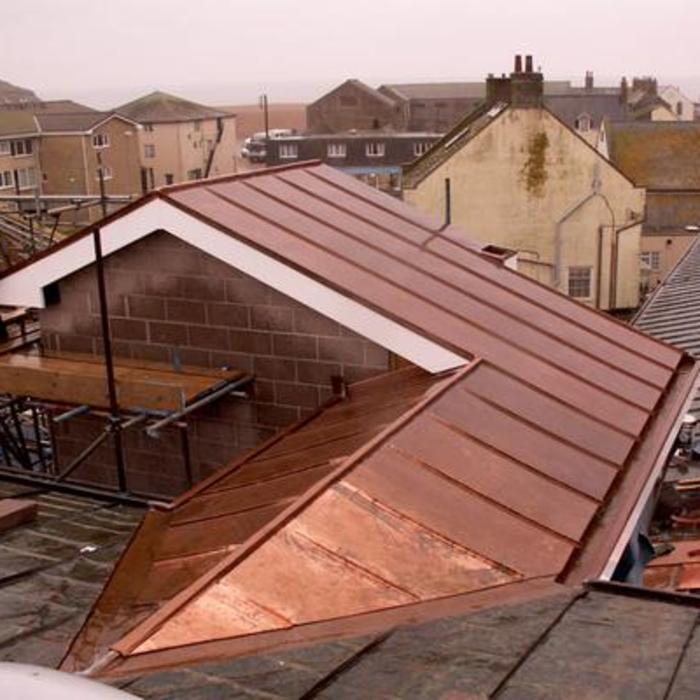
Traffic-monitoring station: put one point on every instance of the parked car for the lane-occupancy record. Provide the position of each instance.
(254, 147)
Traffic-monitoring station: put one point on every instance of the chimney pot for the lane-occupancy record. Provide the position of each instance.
(528, 64)
(518, 63)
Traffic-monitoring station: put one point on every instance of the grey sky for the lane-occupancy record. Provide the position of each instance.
(228, 51)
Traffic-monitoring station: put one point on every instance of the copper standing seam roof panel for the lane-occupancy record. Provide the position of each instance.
(440, 505)
(425, 492)
(175, 547)
(440, 297)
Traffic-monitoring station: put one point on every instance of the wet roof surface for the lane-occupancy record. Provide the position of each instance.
(658, 155)
(47, 584)
(672, 312)
(565, 645)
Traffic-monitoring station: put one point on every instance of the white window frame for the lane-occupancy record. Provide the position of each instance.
(586, 276)
(584, 123)
(5, 148)
(100, 140)
(22, 147)
(26, 178)
(289, 151)
(375, 149)
(337, 150)
(7, 179)
(420, 147)
(149, 150)
(107, 173)
(650, 260)
(148, 127)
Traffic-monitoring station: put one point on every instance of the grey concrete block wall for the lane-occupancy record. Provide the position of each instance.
(169, 299)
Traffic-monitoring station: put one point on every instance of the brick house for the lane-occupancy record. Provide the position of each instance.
(354, 105)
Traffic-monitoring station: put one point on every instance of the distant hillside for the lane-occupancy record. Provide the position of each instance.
(13, 94)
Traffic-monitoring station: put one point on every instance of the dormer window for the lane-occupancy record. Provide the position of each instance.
(583, 122)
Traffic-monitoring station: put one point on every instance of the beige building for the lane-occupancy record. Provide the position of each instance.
(522, 179)
(47, 150)
(73, 148)
(181, 140)
(19, 153)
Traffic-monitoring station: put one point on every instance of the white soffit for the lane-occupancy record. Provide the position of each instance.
(25, 287)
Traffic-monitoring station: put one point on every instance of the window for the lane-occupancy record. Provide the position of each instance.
(374, 149)
(100, 140)
(583, 123)
(420, 147)
(6, 179)
(5, 148)
(580, 282)
(337, 150)
(26, 177)
(650, 260)
(107, 173)
(289, 150)
(169, 178)
(24, 147)
(195, 174)
(149, 150)
(148, 127)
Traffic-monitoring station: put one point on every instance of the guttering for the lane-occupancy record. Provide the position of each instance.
(614, 258)
(645, 494)
(558, 234)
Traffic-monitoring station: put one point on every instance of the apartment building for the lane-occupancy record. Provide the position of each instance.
(181, 140)
(19, 153)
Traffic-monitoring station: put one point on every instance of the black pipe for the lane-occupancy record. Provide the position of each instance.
(448, 203)
(109, 365)
(185, 442)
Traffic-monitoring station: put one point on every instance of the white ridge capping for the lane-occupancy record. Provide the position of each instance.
(25, 286)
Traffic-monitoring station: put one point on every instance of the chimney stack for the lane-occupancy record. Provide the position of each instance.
(518, 64)
(526, 88)
(589, 80)
(528, 64)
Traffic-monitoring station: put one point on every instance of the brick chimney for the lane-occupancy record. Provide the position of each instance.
(498, 89)
(527, 87)
(589, 80)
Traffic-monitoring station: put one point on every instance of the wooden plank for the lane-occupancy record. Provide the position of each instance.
(16, 511)
(78, 382)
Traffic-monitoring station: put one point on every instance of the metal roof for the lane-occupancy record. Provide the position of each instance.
(672, 312)
(573, 412)
(414, 489)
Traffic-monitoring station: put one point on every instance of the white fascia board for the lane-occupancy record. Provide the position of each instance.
(25, 287)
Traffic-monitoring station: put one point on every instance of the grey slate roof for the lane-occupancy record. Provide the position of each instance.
(656, 155)
(160, 107)
(598, 106)
(672, 312)
(70, 121)
(47, 586)
(581, 645)
(457, 90)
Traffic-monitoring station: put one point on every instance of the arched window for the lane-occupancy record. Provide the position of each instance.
(583, 122)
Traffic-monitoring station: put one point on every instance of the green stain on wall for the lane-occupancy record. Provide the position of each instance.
(534, 172)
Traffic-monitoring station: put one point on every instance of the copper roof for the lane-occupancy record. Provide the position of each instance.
(572, 412)
(480, 482)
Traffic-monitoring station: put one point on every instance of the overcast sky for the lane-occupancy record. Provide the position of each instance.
(228, 51)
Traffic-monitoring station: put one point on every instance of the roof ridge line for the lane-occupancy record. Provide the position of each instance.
(233, 177)
(126, 645)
